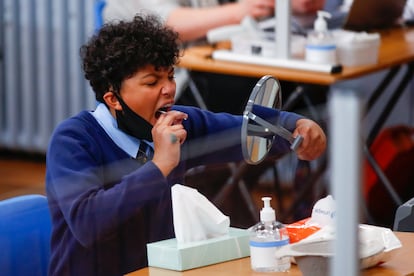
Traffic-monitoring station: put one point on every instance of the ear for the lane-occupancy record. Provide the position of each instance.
(112, 101)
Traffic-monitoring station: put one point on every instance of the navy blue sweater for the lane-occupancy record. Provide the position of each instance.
(106, 206)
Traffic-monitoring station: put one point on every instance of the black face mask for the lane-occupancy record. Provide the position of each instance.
(131, 123)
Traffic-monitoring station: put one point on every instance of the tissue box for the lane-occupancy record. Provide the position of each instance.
(171, 255)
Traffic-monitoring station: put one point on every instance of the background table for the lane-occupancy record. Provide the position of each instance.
(396, 48)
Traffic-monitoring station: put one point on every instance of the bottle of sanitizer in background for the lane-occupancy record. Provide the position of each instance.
(266, 237)
(320, 45)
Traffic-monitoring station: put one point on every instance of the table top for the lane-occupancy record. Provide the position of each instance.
(402, 263)
(396, 48)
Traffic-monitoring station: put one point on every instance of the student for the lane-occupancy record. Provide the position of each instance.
(108, 195)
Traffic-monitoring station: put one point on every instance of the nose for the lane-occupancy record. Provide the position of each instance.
(168, 89)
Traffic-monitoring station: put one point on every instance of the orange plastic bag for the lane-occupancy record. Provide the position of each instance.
(301, 229)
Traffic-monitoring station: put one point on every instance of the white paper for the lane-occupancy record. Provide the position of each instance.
(195, 217)
(324, 211)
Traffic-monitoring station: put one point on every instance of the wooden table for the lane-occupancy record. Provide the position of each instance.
(396, 48)
(402, 263)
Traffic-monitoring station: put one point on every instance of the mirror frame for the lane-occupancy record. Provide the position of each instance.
(277, 103)
(256, 132)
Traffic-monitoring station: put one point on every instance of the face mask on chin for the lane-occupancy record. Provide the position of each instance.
(131, 123)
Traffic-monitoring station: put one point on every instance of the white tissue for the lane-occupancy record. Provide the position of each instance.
(324, 211)
(195, 217)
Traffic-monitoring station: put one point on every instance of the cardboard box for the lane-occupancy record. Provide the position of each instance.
(171, 255)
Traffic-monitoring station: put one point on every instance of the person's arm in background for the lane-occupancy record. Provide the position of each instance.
(194, 23)
(190, 22)
(408, 14)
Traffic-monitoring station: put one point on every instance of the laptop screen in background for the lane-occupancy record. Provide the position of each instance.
(366, 15)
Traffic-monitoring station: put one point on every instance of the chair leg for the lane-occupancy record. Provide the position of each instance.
(196, 94)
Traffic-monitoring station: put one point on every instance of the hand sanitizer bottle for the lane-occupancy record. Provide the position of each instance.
(320, 46)
(266, 237)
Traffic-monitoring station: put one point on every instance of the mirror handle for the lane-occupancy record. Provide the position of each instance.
(296, 142)
(278, 130)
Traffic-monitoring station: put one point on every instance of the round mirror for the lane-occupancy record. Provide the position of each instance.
(257, 133)
(255, 142)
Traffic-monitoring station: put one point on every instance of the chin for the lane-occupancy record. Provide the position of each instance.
(153, 121)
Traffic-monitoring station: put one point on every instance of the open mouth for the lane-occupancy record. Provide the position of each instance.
(162, 110)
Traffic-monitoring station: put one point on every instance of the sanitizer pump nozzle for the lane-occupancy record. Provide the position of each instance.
(320, 24)
(267, 214)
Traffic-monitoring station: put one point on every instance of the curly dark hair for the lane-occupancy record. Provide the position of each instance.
(121, 48)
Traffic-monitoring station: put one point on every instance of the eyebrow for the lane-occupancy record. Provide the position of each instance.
(155, 74)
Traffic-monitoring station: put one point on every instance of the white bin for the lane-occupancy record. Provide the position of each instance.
(357, 48)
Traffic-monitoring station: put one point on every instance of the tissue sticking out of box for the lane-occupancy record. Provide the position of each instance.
(195, 217)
